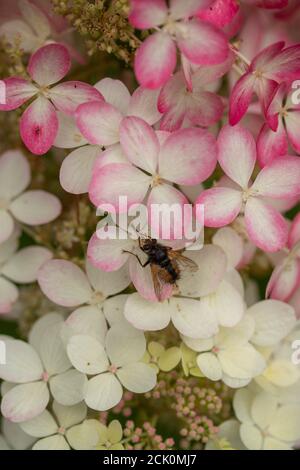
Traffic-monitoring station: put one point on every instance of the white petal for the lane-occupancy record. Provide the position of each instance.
(242, 403)
(124, 344)
(52, 351)
(251, 437)
(87, 354)
(210, 366)
(22, 363)
(114, 93)
(103, 392)
(68, 135)
(41, 426)
(113, 308)
(6, 225)
(242, 362)
(56, 442)
(68, 416)
(263, 409)
(15, 436)
(8, 295)
(41, 326)
(145, 315)
(285, 424)
(190, 319)
(68, 388)
(85, 436)
(273, 321)
(9, 247)
(23, 266)
(86, 321)
(231, 243)
(227, 304)
(137, 377)
(14, 174)
(25, 402)
(36, 207)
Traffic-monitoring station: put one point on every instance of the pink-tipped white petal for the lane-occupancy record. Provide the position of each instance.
(115, 93)
(23, 267)
(6, 225)
(36, 207)
(143, 104)
(25, 401)
(49, 64)
(143, 281)
(67, 96)
(202, 43)
(237, 154)
(294, 235)
(17, 92)
(265, 226)
(281, 179)
(64, 283)
(108, 254)
(188, 156)
(115, 180)
(241, 97)
(284, 66)
(99, 122)
(155, 60)
(8, 295)
(139, 143)
(76, 170)
(39, 126)
(271, 144)
(145, 14)
(284, 280)
(163, 202)
(14, 174)
(221, 206)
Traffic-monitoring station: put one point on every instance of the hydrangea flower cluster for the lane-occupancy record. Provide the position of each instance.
(134, 341)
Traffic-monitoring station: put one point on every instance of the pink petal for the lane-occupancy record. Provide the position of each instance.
(292, 122)
(99, 123)
(6, 225)
(237, 154)
(221, 206)
(39, 126)
(164, 226)
(266, 90)
(270, 4)
(155, 60)
(17, 92)
(284, 280)
(115, 93)
(188, 156)
(114, 154)
(241, 97)
(49, 64)
(284, 66)
(180, 9)
(281, 179)
(145, 14)
(220, 13)
(265, 226)
(275, 107)
(36, 207)
(67, 96)
(64, 283)
(265, 57)
(139, 143)
(143, 104)
(202, 43)
(76, 170)
(294, 235)
(115, 180)
(108, 255)
(271, 144)
(206, 109)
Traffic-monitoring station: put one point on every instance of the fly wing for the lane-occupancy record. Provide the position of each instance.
(160, 280)
(183, 261)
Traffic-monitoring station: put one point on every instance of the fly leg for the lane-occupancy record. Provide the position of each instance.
(140, 263)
